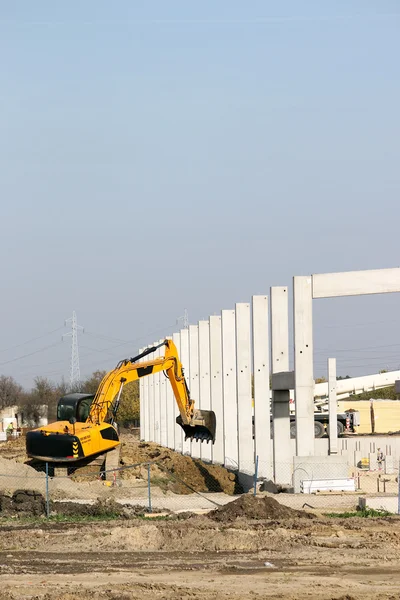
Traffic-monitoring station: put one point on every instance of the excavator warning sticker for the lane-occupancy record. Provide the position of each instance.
(75, 449)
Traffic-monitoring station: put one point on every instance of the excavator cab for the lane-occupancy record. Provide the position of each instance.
(74, 406)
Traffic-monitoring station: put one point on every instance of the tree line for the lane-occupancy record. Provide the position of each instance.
(41, 401)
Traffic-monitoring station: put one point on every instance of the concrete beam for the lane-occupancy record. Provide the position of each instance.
(333, 437)
(216, 387)
(194, 376)
(283, 381)
(204, 381)
(282, 447)
(229, 388)
(245, 409)
(356, 283)
(303, 364)
(186, 445)
(262, 412)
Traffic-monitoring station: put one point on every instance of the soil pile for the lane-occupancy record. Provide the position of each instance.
(169, 471)
(252, 507)
(173, 471)
(22, 502)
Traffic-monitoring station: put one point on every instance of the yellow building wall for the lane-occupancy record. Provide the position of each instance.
(387, 414)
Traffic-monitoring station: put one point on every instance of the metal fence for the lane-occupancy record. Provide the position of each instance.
(150, 486)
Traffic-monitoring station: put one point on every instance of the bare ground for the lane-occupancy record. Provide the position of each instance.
(201, 559)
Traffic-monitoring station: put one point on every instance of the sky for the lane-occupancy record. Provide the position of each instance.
(161, 156)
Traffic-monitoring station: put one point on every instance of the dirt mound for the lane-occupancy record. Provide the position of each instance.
(252, 507)
(23, 502)
(171, 470)
(107, 507)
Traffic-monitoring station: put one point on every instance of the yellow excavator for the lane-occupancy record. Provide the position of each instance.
(86, 424)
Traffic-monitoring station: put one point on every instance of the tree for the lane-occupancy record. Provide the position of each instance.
(40, 402)
(90, 384)
(320, 380)
(10, 392)
(129, 408)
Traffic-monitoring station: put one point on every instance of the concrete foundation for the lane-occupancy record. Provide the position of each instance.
(373, 462)
(388, 503)
(389, 464)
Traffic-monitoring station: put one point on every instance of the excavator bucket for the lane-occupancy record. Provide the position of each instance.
(201, 427)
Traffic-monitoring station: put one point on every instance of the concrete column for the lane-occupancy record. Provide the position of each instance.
(303, 363)
(216, 387)
(186, 445)
(333, 437)
(141, 404)
(151, 407)
(283, 456)
(204, 381)
(175, 435)
(146, 423)
(164, 384)
(262, 420)
(245, 408)
(194, 376)
(230, 389)
(157, 399)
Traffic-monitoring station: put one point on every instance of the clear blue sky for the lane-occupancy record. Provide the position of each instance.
(157, 156)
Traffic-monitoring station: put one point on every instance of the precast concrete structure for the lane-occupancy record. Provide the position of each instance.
(227, 361)
(325, 285)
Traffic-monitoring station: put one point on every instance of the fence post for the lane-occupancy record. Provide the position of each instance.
(149, 486)
(255, 476)
(47, 491)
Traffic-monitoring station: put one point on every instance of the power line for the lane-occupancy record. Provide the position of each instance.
(105, 337)
(363, 349)
(30, 354)
(39, 337)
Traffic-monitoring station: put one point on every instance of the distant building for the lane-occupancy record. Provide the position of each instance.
(13, 416)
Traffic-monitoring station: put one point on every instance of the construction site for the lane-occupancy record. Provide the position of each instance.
(240, 489)
(102, 542)
(213, 189)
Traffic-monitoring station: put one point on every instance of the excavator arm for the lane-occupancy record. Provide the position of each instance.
(197, 424)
